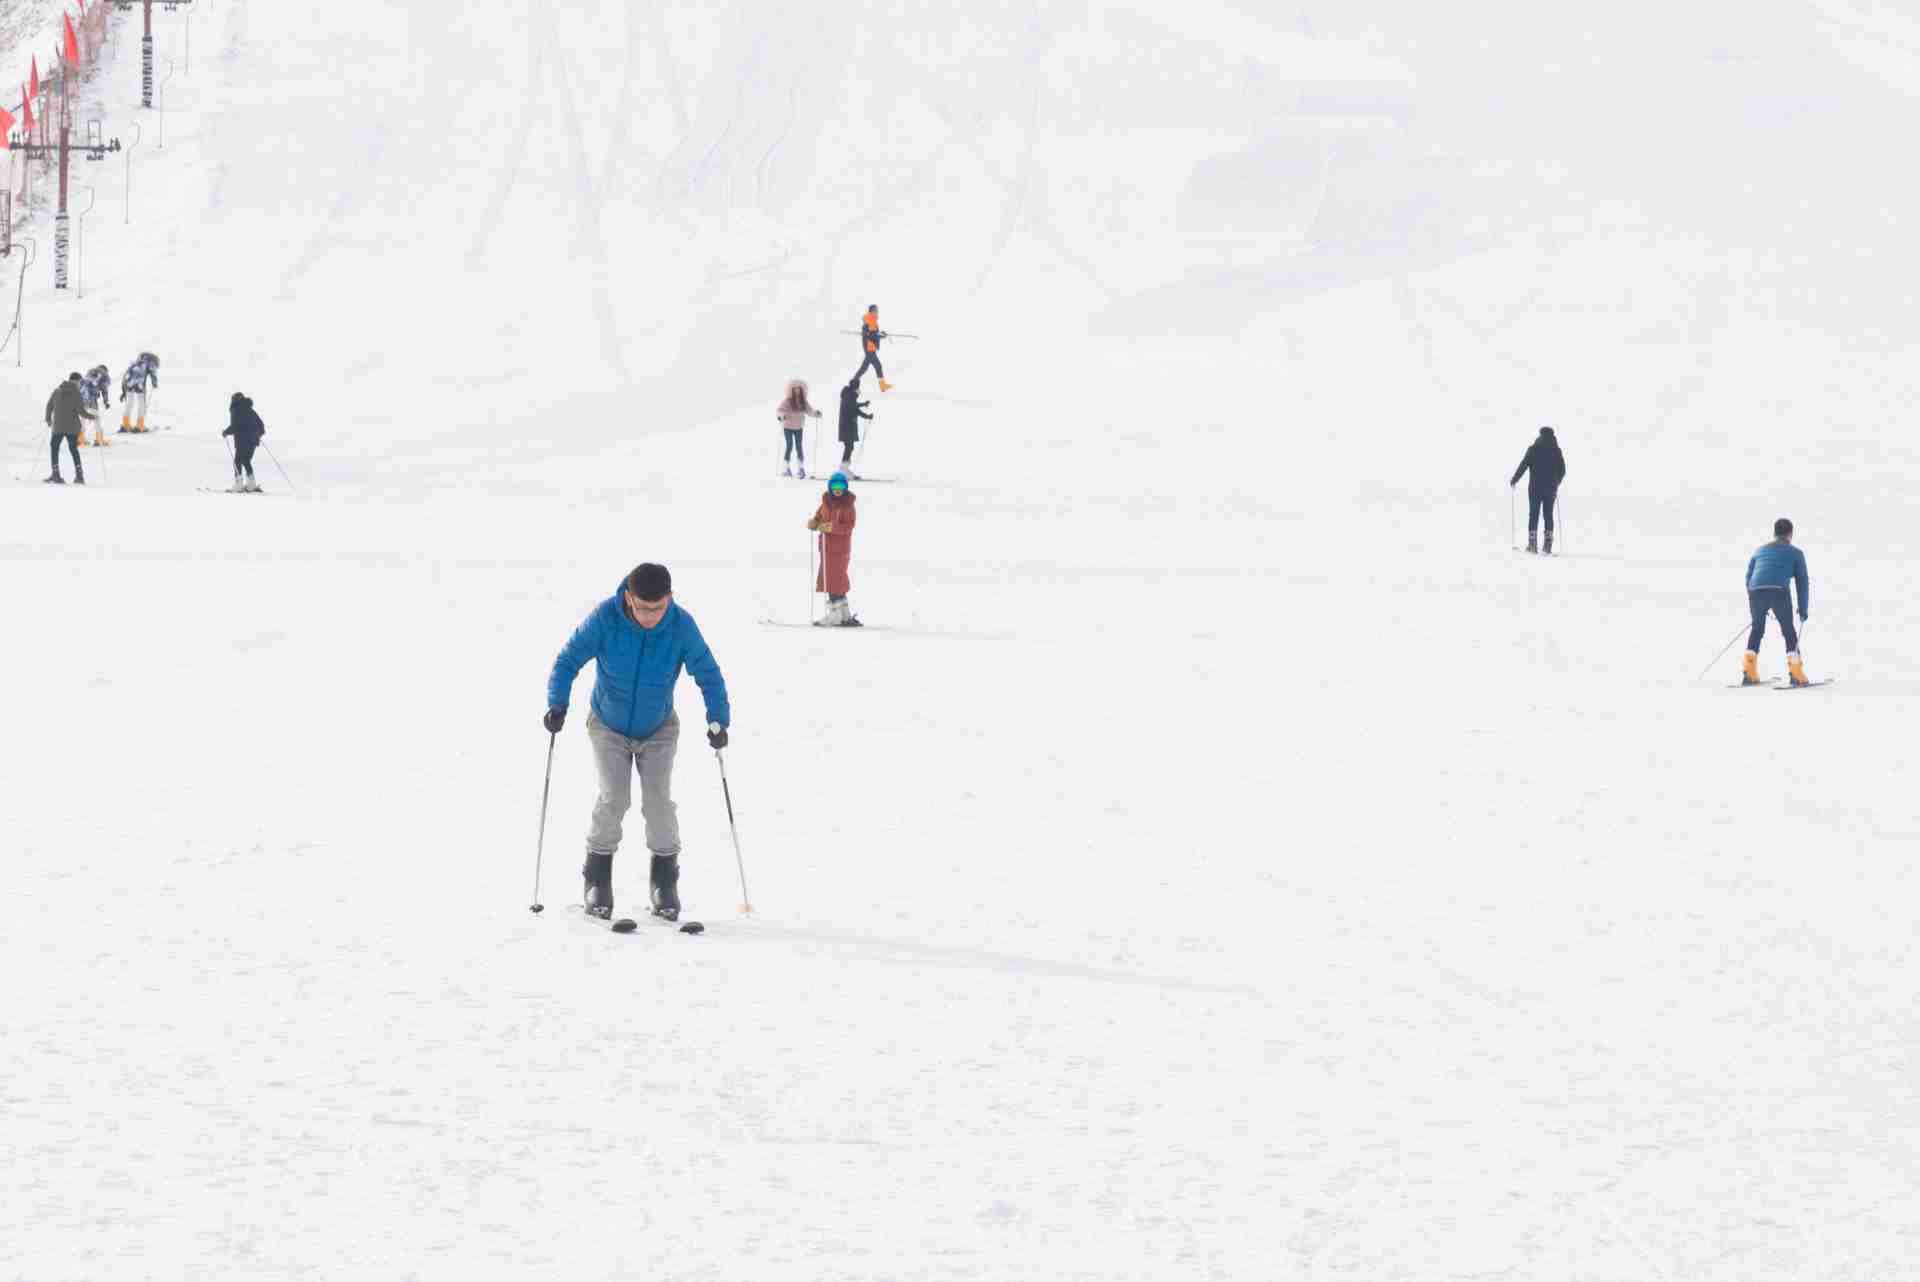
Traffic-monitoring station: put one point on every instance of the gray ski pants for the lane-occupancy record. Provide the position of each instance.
(616, 757)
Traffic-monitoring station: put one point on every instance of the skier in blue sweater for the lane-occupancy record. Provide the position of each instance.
(640, 641)
(1770, 570)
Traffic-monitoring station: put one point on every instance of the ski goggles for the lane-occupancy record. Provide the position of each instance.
(836, 487)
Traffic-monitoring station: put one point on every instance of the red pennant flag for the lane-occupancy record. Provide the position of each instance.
(73, 44)
(6, 129)
(34, 88)
(26, 109)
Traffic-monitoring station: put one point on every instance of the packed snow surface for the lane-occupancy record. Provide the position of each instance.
(1224, 856)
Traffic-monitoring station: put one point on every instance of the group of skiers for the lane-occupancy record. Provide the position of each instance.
(82, 398)
(1775, 571)
(795, 409)
(640, 641)
(833, 519)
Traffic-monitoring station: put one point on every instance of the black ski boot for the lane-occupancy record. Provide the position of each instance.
(1533, 543)
(79, 477)
(1546, 548)
(56, 479)
(666, 887)
(599, 875)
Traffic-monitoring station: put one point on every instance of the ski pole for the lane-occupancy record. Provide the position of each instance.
(1513, 516)
(277, 467)
(541, 849)
(812, 578)
(746, 901)
(1723, 650)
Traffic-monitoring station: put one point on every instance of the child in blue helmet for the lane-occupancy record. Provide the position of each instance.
(833, 521)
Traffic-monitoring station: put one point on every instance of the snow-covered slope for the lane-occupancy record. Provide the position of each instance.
(1230, 860)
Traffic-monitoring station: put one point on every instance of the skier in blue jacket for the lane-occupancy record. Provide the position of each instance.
(640, 640)
(1770, 570)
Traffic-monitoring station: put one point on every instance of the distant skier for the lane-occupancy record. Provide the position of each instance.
(870, 336)
(246, 429)
(852, 410)
(97, 388)
(65, 410)
(1544, 467)
(833, 521)
(141, 377)
(793, 413)
(1771, 568)
(640, 641)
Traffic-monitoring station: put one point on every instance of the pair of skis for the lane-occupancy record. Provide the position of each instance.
(1776, 683)
(833, 627)
(628, 925)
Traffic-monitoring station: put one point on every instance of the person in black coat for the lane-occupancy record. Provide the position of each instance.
(66, 414)
(246, 429)
(1544, 467)
(852, 410)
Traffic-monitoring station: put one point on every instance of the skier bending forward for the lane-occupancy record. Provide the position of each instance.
(641, 640)
(135, 384)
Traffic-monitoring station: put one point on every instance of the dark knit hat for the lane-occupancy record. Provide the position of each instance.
(649, 582)
(1783, 528)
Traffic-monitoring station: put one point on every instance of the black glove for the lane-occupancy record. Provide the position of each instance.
(716, 735)
(555, 718)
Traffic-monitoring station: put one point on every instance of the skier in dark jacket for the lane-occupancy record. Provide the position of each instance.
(1544, 467)
(246, 429)
(852, 410)
(65, 410)
(1770, 570)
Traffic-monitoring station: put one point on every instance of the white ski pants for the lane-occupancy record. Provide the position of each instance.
(134, 410)
(617, 757)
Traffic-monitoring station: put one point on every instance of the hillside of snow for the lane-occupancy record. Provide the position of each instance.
(1222, 856)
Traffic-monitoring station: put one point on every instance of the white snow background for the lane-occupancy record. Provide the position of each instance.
(1235, 862)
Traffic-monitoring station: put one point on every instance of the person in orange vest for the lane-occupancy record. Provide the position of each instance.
(870, 336)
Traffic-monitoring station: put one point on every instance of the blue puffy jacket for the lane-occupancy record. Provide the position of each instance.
(638, 667)
(1776, 564)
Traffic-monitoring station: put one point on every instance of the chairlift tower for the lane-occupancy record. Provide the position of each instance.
(146, 43)
(96, 148)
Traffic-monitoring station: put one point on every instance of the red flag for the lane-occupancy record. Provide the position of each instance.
(26, 108)
(6, 128)
(34, 90)
(73, 44)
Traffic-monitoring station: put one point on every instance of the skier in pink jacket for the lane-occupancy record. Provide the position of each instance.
(793, 414)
